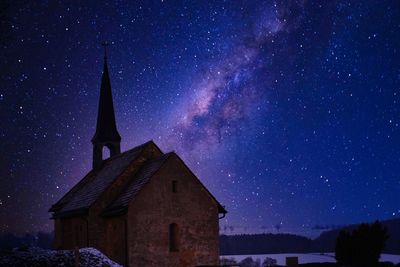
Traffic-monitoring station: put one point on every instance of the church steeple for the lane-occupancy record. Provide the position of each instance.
(106, 130)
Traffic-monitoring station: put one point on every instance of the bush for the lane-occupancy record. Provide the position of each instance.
(249, 262)
(227, 261)
(362, 247)
(344, 248)
(269, 262)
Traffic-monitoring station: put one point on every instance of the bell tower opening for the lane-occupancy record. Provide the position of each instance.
(106, 152)
(102, 151)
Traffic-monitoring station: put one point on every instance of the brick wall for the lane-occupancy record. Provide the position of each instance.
(70, 233)
(156, 207)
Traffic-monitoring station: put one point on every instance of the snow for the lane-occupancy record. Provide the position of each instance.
(306, 257)
(93, 257)
(33, 256)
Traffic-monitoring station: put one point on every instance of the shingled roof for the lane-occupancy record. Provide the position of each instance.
(88, 190)
(83, 194)
(120, 204)
(142, 177)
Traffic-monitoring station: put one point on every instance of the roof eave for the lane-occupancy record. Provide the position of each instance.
(70, 213)
(221, 209)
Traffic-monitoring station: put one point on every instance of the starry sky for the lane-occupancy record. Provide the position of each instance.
(288, 111)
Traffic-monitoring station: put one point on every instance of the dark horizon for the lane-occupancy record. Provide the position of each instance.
(287, 111)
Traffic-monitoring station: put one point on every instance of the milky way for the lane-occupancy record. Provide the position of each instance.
(288, 111)
(227, 93)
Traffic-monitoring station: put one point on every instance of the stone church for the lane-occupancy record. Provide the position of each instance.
(142, 207)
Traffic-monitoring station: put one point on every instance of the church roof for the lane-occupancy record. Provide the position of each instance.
(83, 194)
(88, 190)
(143, 176)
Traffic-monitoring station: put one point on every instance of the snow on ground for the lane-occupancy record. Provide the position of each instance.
(33, 257)
(93, 257)
(306, 257)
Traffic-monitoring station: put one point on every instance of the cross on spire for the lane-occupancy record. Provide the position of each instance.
(105, 44)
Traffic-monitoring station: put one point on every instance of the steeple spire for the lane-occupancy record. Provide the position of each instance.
(105, 44)
(106, 130)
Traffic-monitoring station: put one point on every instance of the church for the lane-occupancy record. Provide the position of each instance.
(141, 207)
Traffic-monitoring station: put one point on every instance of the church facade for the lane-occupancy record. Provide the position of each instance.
(141, 207)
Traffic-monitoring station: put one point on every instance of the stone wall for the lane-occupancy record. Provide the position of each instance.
(116, 239)
(70, 233)
(156, 207)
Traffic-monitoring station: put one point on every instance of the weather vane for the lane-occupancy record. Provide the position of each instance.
(105, 44)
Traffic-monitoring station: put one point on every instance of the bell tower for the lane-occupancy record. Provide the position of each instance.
(106, 135)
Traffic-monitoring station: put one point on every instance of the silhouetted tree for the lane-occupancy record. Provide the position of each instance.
(9, 241)
(269, 262)
(362, 247)
(41, 239)
(44, 240)
(343, 249)
(227, 261)
(249, 262)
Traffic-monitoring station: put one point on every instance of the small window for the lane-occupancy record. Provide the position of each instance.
(174, 186)
(173, 237)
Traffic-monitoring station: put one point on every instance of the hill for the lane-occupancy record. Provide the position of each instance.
(286, 243)
(263, 243)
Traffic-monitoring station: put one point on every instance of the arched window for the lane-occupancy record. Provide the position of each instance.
(174, 186)
(173, 237)
(106, 152)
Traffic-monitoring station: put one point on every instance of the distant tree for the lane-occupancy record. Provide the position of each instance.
(41, 239)
(344, 247)
(362, 247)
(249, 262)
(227, 261)
(9, 241)
(28, 240)
(269, 262)
(44, 240)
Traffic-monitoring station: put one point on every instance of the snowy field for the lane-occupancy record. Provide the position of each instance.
(305, 258)
(37, 257)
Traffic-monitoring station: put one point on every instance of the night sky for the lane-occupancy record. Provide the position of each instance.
(288, 111)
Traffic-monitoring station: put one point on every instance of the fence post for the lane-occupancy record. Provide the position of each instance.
(76, 254)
